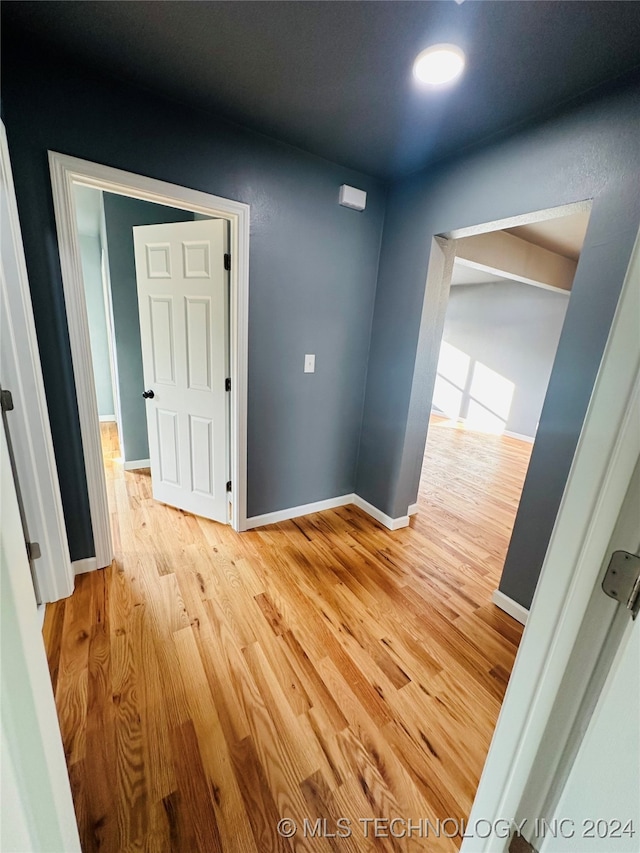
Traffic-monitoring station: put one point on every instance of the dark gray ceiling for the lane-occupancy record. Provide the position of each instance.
(334, 78)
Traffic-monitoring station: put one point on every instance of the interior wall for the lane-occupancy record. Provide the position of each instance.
(589, 152)
(313, 268)
(121, 215)
(505, 335)
(91, 256)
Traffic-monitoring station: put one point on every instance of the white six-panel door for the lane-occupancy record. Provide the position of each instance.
(183, 302)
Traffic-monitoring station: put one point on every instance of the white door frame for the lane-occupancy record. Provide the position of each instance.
(30, 432)
(67, 171)
(605, 458)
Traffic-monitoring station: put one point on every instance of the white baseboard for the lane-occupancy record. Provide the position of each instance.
(89, 564)
(320, 506)
(107, 419)
(374, 512)
(296, 511)
(519, 613)
(413, 509)
(41, 611)
(137, 463)
(519, 435)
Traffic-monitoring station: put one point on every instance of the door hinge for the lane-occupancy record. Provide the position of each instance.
(227, 262)
(6, 400)
(622, 580)
(227, 385)
(33, 551)
(228, 485)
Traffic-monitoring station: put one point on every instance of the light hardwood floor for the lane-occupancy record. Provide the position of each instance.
(209, 683)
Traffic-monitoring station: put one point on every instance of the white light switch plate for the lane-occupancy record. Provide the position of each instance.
(309, 363)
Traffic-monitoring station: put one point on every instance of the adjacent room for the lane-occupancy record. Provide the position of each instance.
(508, 299)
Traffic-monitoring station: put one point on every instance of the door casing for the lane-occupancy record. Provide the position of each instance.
(67, 171)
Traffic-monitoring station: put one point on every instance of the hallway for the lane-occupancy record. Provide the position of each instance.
(209, 684)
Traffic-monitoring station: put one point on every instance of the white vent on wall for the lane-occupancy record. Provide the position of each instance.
(353, 198)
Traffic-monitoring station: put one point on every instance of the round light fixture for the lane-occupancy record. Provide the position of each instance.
(439, 64)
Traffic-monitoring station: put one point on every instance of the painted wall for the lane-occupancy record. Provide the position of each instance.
(500, 340)
(91, 253)
(590, 152)
(121, 215)
(313, 268)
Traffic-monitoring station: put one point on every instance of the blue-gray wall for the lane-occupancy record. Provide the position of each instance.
(121, 214)
(513, 329)
(591, 151)
(91, 255)
(313, 268)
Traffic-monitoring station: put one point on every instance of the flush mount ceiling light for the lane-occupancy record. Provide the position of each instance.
(439, 64)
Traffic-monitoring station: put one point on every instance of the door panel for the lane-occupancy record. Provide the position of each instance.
(158, 260)
(202, 472)
(196, 258)
(168, 447)
(183, 301)
(162, 342)
(199, 348)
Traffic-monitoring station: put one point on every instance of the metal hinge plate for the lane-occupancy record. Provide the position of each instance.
(6, 400)
(33, 551)
(622, 580)
(227, 262)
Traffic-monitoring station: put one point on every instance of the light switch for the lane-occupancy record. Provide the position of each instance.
(309, 363)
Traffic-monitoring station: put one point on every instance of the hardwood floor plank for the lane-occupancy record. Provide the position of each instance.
(196, 818)
(321, 699)
(213, 750)
(101, 727)
(159, 770)
(89, 841)
(297, 756)
(73, 669)
(323, 807)
(131, 778)
(52, 629)
(270, 613)
(261, 809)
(226, 672)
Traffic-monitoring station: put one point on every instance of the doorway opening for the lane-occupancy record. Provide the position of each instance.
(159, 343)
(508, 293)
(119, 187)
